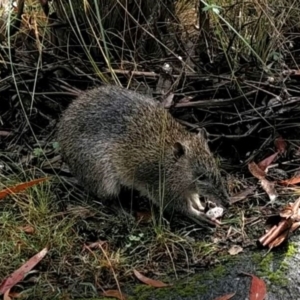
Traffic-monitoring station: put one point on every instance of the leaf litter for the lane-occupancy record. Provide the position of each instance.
(20, 187)
(20, 273)
(258, 289)
(289, 217)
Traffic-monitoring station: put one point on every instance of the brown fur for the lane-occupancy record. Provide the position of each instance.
(112, 137)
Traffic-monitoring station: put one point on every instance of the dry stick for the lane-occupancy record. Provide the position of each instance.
(72, 93)
(236, 136)
(153, 74)
(283, 163)
(275, 87)
(133, 73)
(291, 100)
(215, 102)
(260, 89)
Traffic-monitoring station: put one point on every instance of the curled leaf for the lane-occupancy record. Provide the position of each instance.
(263, 165)
(276, 231)
(280, 145)
(279, 240)
(258, 289)
(27, 229)
(256, 171)
(291, 181)
(235, 249)
(269, 188)
(295, 226)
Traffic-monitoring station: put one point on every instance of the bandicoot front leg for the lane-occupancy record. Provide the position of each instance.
(195, 212)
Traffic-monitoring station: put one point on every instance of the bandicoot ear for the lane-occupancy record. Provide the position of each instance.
(179, 150)
(203, 136)
(202, 133)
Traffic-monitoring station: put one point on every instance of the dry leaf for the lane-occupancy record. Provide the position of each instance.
(256, 171)
(291, 210)
(20, 187)
(296, 208)
(287, 212)
(6, 295)
(276, 231)
(279, 240)
(295, 226)
(294, 180)
(114, 294)
(289, 222)
(258, 290)
(95, 245)
(15, 295)
(144, 216)
(151, 282)
(269, 188)
(225, 297)
(267, 234)
(280, 145)
(19, 274)
(27, 229)
(235, 249)
(103, 245)
(267, 161)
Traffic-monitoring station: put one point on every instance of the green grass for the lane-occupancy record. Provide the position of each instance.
(71, 267)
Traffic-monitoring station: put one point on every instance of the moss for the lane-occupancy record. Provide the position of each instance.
(274, 268)
(217, 271)
(183, 289)
(163, 293)
(196, 285)
(291, 250)
(256, 257)
(278, 278)
(190, 290)
(143, 292)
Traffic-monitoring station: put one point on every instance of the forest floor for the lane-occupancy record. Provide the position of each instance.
(250, 107)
